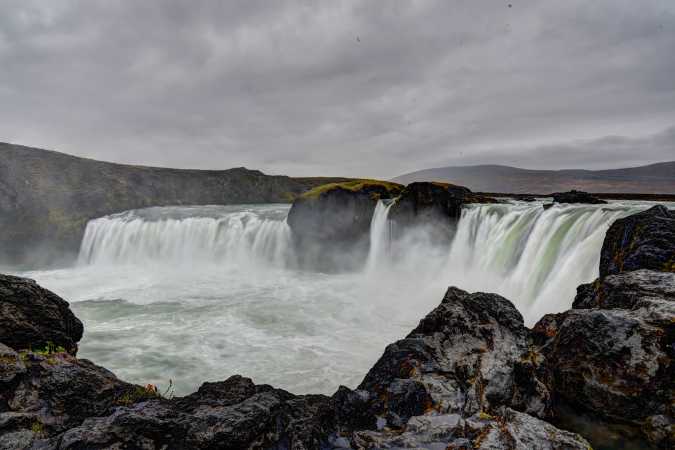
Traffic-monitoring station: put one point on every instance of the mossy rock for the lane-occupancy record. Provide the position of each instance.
(382, 189)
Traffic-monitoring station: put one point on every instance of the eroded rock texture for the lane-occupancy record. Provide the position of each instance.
(460, 359)
(33, 317)
(641, 241)
(612, 355)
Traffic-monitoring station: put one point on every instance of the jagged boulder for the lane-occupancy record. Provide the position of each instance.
(434, 206)
(627, 290)
(613, 355)
(641, 241)
(462, 358)
(33, 317)
(48, 393)
(574, 196)
(233, 414)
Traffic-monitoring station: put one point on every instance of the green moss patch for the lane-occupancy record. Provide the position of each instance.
(354, 186)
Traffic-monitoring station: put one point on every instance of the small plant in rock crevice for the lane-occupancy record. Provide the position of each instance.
(144, 393)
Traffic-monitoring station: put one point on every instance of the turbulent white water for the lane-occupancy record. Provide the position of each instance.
(182, 235)
(201, 293)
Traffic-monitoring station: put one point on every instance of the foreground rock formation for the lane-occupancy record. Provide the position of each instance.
(33, 315)
(469, 376)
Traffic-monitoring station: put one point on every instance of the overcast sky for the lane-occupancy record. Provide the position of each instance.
(355, 88)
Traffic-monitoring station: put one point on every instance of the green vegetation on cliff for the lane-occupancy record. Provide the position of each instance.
(393, 189)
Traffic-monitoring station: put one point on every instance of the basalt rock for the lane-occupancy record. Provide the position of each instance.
(613, 354)
(462, 358)
(576, 197)
(507, 429)
(641, 241)
(33, 317)
(337, 213)
(332, 223)
(434, 206)
(44, 394)
(627, 290)
(234, 414)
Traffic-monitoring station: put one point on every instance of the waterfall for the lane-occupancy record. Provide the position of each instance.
(178, 235)
(532, 256)
(380, 236)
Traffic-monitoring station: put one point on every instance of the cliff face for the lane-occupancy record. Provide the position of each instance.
(46, 198)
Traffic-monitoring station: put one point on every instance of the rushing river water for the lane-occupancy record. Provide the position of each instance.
(195, 294)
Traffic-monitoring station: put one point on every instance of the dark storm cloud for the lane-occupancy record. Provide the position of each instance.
(341, 87)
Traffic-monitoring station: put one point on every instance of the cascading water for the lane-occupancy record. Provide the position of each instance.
(187, 235)
(201, 293)
(380, 236)
(532, 256)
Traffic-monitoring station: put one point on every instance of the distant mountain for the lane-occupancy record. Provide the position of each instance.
(652, 179)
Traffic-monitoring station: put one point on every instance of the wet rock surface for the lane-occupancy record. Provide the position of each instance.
(460, 359)
(234, 414)
(641, 241)
(33, 317)
(436, 206)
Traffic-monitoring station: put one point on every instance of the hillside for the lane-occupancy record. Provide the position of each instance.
(652, 179)
(46, 197)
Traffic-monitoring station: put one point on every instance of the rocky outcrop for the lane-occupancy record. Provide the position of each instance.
(35, 318)
(641, 241)
(233, 414)
(340, 212)
(46, 198)
(330, 224)
(463, 378)
(627, 290)
(434, 205)
(462, 358)
(574, 196)
(45, 393)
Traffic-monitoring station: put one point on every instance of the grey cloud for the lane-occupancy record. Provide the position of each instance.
(287, 87)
